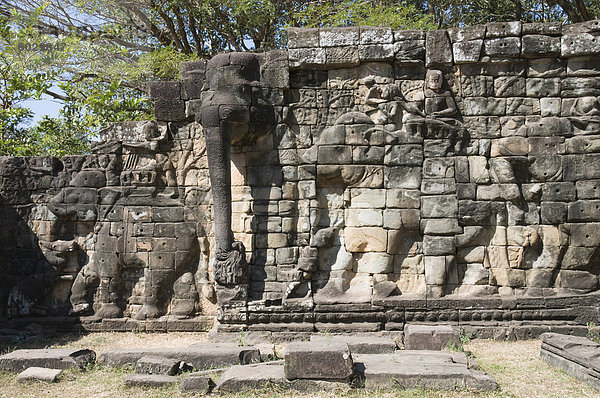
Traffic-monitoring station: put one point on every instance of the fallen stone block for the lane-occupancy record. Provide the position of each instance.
(242, 378)
(577, 356)
(159, 366)
(196, 383)
(210, 356)
(144, 380)
(54, 358)
(361, 344)
(327, 360)
(426, 337)
(424, 369)
(39, 374)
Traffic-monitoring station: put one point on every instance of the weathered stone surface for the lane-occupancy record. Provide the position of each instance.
(575, 355)
(243, 378)
(55, 358)
(198, 383)
(361, 344)
(157, 365)
(439, 49)
(424, 337)
(205, 356)
(39, 374)
(422, 369)
(149, 380)
(327, 360)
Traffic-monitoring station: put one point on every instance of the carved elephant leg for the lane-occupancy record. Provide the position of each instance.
(230, 266)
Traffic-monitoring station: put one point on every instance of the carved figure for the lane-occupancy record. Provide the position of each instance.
(230, 115)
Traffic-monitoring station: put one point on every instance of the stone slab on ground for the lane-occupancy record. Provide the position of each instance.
(208, 356)
(144, 380)
(39, 374)
(361, 344)
(257, 376)
(199, 383)
(326, 360)
(577, 356)
(424, 369)
(158, 365)
(53, 358)
(429, 337)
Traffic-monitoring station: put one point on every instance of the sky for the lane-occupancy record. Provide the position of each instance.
(42, 107)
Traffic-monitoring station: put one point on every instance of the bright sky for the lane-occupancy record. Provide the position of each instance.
(42, 107)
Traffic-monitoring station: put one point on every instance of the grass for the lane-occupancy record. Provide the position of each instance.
(516, 366)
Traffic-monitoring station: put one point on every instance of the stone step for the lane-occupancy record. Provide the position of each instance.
(52, 358)
(424, 369)
(145, 380)
(242, 378)
(39, 374)
(361, 344)
(209, 356)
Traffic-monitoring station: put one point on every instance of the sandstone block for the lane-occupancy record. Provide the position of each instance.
(467, 51)
(39, 374)
(318, 360)
(367, 239)
(439, 50)
(424, 337)
(56, 358)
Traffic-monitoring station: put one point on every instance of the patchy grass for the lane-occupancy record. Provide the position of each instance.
(516, 366)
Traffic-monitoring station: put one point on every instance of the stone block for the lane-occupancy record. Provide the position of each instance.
(367, 198)
(482, 106)
(477, 86)
(509, 86)
(403, 198)
(363, 217)
(409, 50)
(536, 46)
(405, 177)
(578, 44)
(197, 383)
(342, 56)
(375, 263)
(318, 360)
(337, 37)
(438, 245)
(146, 380)
(55, 358)
(548, 87)
(303, 37)
(502, 29)
(39, 374)
(421, 370)
(157, 365)
(441, 206)
(366, 239)
(438, 48)
(200, 356)
(467, 51)
(425, 337)
(376, 52)
(579, 280)
(305, 57)
(502, 47)
(376, 35)
(361, 344)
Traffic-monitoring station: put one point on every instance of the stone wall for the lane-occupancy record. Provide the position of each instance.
(410, 176)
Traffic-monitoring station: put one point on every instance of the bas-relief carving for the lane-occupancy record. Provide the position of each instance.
(133, 237)
(408, 196)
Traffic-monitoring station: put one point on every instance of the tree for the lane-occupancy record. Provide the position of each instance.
(113, 47)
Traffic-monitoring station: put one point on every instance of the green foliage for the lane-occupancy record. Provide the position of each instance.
(397, 15)
(592, 332)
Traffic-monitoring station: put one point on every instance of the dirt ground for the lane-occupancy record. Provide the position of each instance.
(516, 366)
